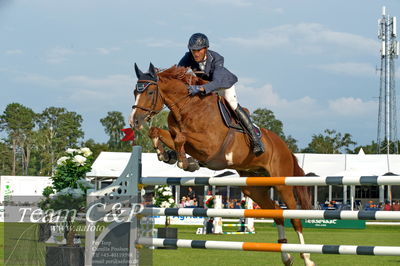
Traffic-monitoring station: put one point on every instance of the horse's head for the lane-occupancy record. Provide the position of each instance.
(148, 100)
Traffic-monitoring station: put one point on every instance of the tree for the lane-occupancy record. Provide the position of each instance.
(265, 118)
(368, 149)
(330, 143)
(113, 123)
(96, 148)
(5, 159)
(61, 130)
(393, 147)
(18, 122)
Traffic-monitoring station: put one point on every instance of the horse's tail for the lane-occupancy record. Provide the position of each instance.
(302, 193)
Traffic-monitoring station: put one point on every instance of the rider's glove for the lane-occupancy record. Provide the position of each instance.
(194, 89)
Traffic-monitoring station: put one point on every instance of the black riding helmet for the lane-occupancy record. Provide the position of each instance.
(198, 41)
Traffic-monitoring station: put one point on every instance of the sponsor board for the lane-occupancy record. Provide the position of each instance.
(329, 223)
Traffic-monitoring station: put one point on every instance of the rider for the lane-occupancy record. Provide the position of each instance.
(209, 65)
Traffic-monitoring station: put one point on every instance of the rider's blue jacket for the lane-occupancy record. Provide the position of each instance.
(215, 72)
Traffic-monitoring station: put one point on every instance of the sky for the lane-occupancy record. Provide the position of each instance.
(313, 63)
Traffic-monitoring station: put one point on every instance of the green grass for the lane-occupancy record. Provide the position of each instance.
(372, 236)
(24, 247)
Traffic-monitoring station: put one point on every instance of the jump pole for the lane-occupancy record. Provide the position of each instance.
(273, 181)
(272, 247)
(264, 213)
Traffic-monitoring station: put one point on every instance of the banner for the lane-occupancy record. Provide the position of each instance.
(329, 223)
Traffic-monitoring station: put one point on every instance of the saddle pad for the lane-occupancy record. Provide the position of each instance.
(230, 121)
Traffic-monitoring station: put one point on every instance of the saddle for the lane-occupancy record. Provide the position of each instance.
(230, 119)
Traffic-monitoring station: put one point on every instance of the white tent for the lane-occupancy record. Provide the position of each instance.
(109, 165)
(332, 164)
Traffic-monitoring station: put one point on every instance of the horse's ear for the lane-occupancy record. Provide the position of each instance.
(152, 71)
(139, 73)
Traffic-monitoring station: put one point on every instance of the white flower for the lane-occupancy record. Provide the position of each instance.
(165, 204)
(79, 159)
(86, 151)
(160, 189)
(167, 189)
(62, 160)
(171, 200)
(71, 151)
(154, 201)
(167, 193)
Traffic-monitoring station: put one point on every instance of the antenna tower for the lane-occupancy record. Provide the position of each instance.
(387, 119)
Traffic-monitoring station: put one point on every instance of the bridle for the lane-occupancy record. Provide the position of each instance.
(141, 86)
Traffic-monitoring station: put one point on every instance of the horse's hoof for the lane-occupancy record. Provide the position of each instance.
(161, 157)
(180, 165)
(192, 168)
(170, 157)
(193, 165)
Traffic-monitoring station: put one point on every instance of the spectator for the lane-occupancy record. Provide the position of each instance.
(189, 202)
(191, 194)
(182, 204)
(195, 203)
(396, 206)
(236, 204)
(387, 206)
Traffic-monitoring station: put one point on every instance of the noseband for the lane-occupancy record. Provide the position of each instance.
(141, 86)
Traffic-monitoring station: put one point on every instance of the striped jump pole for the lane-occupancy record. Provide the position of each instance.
(272, 247)
(264, 213)
(273, 181)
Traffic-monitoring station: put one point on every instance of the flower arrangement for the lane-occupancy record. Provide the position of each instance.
(163, 198)
(210, 202)
(69, 187)
(243, 204)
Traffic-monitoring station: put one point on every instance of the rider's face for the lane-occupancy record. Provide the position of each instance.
(199, 55)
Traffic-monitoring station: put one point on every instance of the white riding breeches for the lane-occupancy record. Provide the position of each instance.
(230, 96)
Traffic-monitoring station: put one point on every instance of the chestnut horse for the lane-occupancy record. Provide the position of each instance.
(196, 128)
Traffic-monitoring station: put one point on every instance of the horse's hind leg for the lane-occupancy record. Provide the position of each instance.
(158, 135)
(261, 196)
(286, 194)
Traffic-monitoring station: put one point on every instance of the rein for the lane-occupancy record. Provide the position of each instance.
(151, 110)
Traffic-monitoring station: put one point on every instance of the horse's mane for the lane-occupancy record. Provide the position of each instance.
(180, 73)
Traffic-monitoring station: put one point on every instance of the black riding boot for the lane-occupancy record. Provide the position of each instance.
(244, 118)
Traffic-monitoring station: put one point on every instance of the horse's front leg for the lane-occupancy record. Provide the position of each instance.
(158, 135)
(187, 164)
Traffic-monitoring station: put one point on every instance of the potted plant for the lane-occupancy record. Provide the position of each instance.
(64, 200)
(163, 198)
